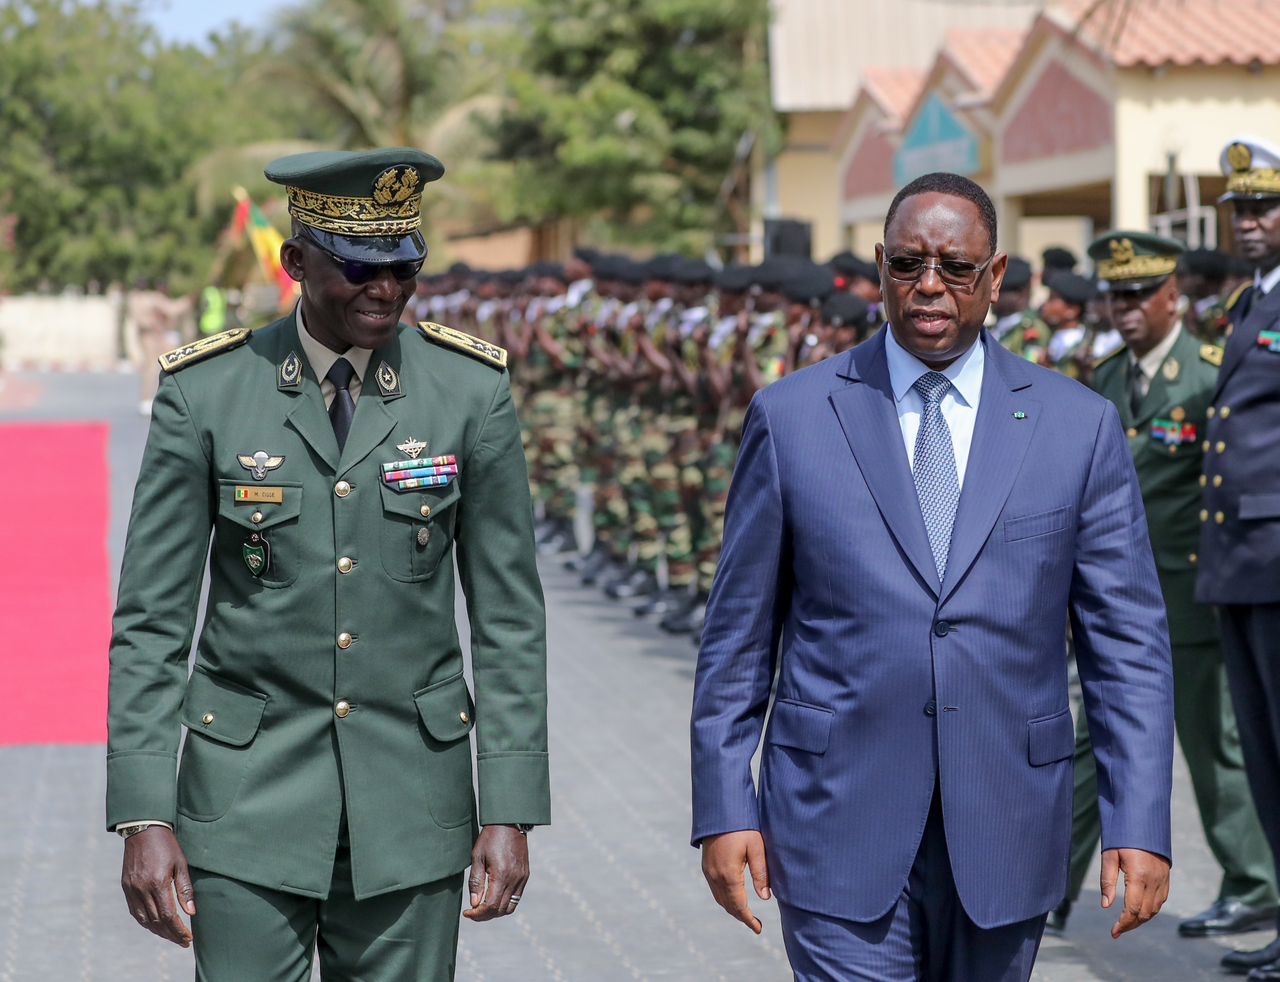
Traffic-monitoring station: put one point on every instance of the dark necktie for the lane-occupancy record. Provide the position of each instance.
(343, 408)
(1135, 388)
(933, 467)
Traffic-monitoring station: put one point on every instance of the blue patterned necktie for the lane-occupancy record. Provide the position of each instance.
(934, 468)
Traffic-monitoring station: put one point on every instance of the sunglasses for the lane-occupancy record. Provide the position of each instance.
(954, 272)
(359, 273)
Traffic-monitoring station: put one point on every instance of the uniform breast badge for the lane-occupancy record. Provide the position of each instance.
(1170, 369)
(388, 381)
(259, 463)
(290, 372)
(257, 553)
(1173, 432)
(412, 448)
(430, 472)
(1269, 341)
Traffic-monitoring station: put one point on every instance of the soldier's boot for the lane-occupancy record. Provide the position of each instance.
(637, 583)
(579, 562)
(560, 539)
(688, 620)
(664, 602)
(598, 565)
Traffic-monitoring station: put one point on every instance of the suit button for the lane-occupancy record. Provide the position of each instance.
(1220, 446)
(1205, 446)
(942, 629)
(345, 564)
(1203, 480)
(1224, 412)
(1210, 412)
(344, 640)
(342, 489)
(207, 719)
(931, 708)
(1217, 480)
(1219, 517)
(342, 708)
(1204, 514)
(1131, 432)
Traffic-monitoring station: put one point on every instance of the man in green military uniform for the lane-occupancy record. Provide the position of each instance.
(1162, 383)
(324, 797)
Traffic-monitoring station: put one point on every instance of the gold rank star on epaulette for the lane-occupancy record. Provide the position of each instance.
(189, 354)
(468, 344)
(1212, 354)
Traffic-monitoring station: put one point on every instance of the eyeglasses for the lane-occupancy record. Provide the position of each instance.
(954, 272)
(359, 273)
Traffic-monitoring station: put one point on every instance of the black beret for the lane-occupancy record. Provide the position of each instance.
(629, 271)
(693, 272)
(846, 263)
(1017, 275)
(1056, 257)
(1073, 288)
(663, 266)
(734, 279)
(1212, 263)
(843, 309)
(810, 285)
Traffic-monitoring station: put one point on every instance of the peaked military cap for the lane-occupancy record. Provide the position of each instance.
(360, 205)
(1072, 287)
(1017, 275)
(1252, 169)
(1133, 261)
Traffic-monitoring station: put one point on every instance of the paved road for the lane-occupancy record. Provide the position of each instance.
(616, 892)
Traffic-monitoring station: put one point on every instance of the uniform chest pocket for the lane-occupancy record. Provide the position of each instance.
(417, 530)
(269, 512)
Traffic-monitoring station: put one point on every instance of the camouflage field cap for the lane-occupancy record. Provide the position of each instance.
(360, 205)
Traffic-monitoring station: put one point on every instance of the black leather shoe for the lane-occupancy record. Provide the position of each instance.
(1240, 962)
(1057, 921)
(641, 583)
(1267, 973)
(596, 568)
(1226, 917)
(664, 602)
(688, 620)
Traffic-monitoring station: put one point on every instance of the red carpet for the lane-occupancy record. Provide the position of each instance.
(55, 585)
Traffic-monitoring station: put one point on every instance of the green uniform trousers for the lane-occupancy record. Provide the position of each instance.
(244, 932)
(1210, 741)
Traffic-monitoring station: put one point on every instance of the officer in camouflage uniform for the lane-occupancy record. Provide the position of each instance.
(1162, 383)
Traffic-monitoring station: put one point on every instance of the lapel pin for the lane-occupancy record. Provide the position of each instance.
(388, 381)
(290, 372)
(1019, 414)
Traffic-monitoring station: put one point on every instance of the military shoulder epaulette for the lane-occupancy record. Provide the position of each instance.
(1109, 355)
(189, 354)
(1211, 353)
(1237, 294)
(468, 344)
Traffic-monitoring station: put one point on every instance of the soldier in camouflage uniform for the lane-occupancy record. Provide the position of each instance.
(1017, 325)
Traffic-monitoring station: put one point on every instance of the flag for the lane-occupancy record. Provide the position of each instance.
(266, 241)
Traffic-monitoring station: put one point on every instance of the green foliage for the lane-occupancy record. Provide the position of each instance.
(102, 123)
(630, 112)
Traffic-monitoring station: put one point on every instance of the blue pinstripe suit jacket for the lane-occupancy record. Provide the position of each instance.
(888, 680)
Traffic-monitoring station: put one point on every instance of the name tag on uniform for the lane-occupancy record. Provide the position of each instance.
(273, 496)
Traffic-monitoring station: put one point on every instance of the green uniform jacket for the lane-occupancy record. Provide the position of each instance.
(1029, 338)
(1165, 439)
(272, 756)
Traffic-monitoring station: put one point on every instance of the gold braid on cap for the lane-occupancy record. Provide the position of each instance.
(1125, 265)
(393, 208)
(1247, 179)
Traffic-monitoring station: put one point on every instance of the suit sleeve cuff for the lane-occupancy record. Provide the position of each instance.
(142, 782)
(515, 788)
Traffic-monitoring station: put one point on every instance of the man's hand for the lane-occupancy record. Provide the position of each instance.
(723, 859)
(153, 876)
(499, 872)
(1146, 886)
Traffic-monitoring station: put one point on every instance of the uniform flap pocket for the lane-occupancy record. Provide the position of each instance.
(1040, 523)
(259, 506)
(411, 503)
(222, 710)
(1051, 738)
(799, 725)
(1260, 505)
(446, 708)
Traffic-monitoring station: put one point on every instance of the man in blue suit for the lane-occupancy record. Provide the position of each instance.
(909, 526)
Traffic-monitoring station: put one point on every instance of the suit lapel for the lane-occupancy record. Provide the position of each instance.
(1263, 311)
(306, 415)
(373, 419)
(1000, 441)
(867, 414)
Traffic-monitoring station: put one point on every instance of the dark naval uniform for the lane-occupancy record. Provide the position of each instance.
(327, 715)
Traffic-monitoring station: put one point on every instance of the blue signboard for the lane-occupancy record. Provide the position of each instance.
(937, 141)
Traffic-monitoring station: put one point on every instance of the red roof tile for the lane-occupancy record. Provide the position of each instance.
(983, 56)
(894, 89)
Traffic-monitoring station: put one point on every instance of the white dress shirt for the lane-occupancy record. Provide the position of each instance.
(1147, 366)
(1268, 282)
(959, 406)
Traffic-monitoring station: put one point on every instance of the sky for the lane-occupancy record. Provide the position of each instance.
(192, 20)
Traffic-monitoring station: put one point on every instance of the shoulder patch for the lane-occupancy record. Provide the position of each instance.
(189, 354)
(1211, 353)
(1237, 294)
(468, 344)
(1109, 355)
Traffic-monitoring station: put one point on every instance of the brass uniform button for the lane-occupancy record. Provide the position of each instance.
(1225, 412)
(1131, 432)
(1204, 514)
(1220, 446)
(342, 489)
(1219, 518)
(1205, 446)
(1193, 558)
(344, 640)
(1203, 480)
(464, 717)
(342, 708)
(345, 564)
(207, 719)
(256, 518)
(1217, 480)
(426, 511)
(1210, 412)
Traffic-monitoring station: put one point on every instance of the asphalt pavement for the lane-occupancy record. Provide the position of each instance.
(616, 892)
